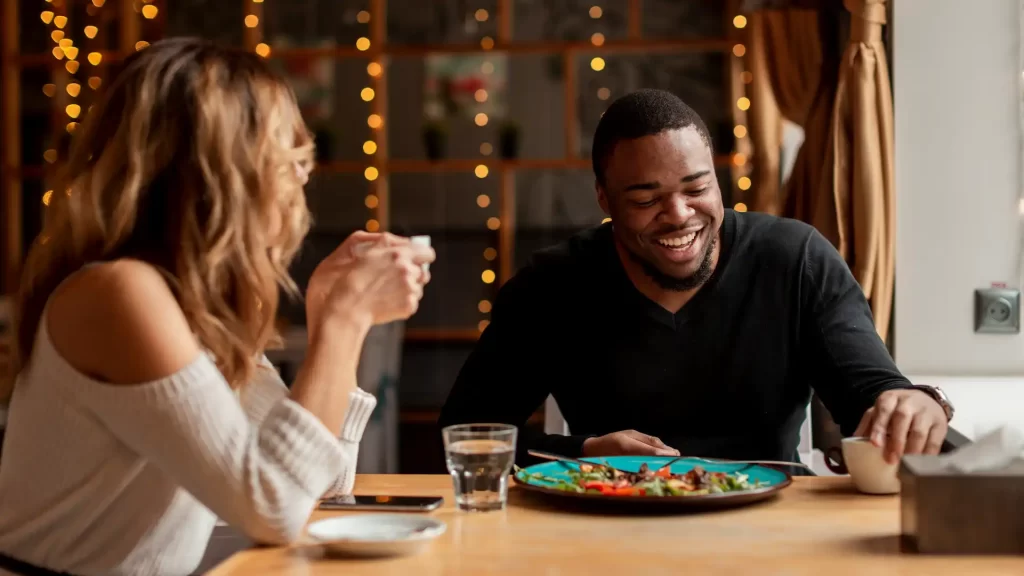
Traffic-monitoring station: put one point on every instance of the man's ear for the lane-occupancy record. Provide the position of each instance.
(602, 198)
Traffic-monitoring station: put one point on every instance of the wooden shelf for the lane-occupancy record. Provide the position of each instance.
(442, 335)
(431, 416)
(412, 166)
(421, 50)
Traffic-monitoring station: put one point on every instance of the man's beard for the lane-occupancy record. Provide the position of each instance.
(668, 282)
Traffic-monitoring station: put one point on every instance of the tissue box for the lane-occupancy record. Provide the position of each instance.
(945, 512)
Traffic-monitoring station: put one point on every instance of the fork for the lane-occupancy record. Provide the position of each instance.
(748, 463)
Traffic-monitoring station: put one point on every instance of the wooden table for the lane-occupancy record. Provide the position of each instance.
(816, 526)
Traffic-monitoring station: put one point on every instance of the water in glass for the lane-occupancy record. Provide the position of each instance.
(480, 458)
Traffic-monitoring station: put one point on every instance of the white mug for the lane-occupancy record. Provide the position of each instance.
(866, 464)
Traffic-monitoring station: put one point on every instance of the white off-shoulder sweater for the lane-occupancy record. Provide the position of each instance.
(102, 479)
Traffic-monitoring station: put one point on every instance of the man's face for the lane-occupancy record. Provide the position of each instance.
(666, 208)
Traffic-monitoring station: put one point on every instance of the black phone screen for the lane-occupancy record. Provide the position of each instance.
(382, 502)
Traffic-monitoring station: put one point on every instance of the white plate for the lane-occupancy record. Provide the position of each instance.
(376, 534)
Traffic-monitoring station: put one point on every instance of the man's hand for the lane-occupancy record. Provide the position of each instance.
(904, 422)
(626, 443)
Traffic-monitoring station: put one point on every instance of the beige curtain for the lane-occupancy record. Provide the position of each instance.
(861, 158)
(788, 81)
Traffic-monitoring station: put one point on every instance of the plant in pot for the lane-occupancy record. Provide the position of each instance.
(508, 138)
(435, 139)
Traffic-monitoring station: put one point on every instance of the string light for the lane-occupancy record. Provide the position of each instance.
(487, 276)
(493, 223)
(140, 45)
(73, 89)
(484, 306)
(606, 220)
(149, 12)
(50, 89)
(47, 17)
(604, 93)
(483, 324)
(740, 159)
(597, 63)
(597, 39)
(486, 149)
(487, 43)
(91, 31)
(252, 21)
(374, 121)
(481, 171)
(46, 197)
(490, 254)
(95, 82)
(481, 119)
(60, 21)
(263, 49)
(596, 12)
(481, 15)
(95, 58)
(483, 200)
(480, 95)
(487, 68)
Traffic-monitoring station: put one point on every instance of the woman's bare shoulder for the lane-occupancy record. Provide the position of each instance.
(119, 322)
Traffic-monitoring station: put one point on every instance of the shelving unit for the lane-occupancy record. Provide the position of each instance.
(380, 51)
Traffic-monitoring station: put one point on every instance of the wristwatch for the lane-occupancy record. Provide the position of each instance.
(939, 396)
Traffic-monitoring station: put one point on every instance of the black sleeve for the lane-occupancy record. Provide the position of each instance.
(510, 372)
(849, 365)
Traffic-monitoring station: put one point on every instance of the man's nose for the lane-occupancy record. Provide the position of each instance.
(677, 209)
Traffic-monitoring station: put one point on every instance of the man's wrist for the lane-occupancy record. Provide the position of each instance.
(939, 396)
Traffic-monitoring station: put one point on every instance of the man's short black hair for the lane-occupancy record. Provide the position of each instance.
(638, 114)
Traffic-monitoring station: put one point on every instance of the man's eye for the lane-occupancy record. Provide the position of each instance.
(697, 192)
(644, 204)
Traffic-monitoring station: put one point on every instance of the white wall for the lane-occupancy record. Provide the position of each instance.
(958, 162)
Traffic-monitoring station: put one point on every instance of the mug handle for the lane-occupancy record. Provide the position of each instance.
(834, 461)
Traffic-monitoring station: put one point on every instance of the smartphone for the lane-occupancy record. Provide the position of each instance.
(395, 503)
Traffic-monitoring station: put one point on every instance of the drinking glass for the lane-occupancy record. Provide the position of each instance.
(480, 457)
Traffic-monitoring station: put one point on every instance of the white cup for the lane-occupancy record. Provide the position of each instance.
(422, 241)
(866, 464)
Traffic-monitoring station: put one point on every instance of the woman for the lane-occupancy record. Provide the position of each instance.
(144, 408)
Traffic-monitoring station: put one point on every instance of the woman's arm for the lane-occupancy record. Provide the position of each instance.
(267, 388)
(133, 363)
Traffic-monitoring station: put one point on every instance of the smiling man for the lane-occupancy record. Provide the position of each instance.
(683, 327)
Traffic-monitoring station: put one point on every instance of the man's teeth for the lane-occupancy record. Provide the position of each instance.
(681, 242)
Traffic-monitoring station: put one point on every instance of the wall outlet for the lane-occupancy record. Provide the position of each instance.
(997, 311)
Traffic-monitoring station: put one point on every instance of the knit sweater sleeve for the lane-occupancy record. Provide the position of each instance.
(267, 388)
(263, 479)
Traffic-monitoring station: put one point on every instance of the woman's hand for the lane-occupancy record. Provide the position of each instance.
(370, 278)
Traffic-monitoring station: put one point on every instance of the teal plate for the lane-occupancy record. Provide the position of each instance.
(774, 481)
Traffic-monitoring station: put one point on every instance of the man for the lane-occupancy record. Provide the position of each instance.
(683, 327)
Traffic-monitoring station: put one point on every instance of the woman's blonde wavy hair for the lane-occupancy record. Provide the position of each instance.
(193, 162)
